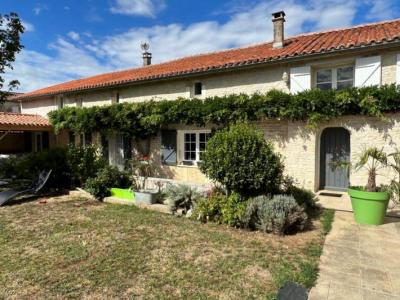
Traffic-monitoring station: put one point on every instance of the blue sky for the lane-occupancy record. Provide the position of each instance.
(70, 39)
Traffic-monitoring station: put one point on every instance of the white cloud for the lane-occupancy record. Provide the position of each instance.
(35, 70)
(91, 55)
(147, 8)
(29, 27)
(37, 10)
(74, 35)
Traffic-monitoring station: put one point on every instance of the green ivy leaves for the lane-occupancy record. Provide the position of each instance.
(145, 119)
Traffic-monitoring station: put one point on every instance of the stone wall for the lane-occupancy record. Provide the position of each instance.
(39, 107)
(300, 148)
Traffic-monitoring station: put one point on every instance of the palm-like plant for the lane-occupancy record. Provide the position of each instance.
(372, 159)
(393, 162)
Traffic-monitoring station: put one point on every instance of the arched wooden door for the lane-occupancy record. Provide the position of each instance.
(335, 147)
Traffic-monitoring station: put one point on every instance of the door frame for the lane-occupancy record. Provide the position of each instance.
(318, 156)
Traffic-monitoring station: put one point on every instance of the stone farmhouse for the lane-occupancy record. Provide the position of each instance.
(356, 56)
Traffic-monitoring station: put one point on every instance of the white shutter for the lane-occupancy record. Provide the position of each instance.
(398, 70)
(300, 79)
(368, 71)
(116, 151)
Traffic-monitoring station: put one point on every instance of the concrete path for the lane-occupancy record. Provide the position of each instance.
(359, 262)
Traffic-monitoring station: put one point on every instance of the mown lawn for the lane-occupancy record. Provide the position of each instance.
(82, 248)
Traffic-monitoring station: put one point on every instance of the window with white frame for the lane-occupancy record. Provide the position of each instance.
(194, 146)
(335, 78)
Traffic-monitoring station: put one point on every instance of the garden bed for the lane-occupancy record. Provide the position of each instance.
(83, 248)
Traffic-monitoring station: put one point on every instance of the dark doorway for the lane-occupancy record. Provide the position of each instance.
(335, 147)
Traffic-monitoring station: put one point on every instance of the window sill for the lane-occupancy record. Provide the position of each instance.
(181, 165)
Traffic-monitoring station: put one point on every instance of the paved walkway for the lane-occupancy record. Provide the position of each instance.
(359, 262)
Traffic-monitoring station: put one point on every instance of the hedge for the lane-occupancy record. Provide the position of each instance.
(146, 118)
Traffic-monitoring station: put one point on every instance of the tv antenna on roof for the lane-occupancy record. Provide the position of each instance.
(145, 46)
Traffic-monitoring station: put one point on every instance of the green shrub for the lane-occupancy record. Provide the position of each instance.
(7, 167)
(106, 178)
(84, 163)
(233, 210)
(181, 197)
(283, 215)
(30, 165)
(209, 209)
(221, 209)
(255, 210)
(303, 197)
(242, 160)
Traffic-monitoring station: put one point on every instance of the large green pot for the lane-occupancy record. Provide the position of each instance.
(369, 207)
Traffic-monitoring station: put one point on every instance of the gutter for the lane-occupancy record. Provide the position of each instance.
(244, 65)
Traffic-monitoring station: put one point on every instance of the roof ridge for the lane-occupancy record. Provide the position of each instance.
(343, 28)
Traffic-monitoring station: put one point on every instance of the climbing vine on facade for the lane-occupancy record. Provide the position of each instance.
(145, 119)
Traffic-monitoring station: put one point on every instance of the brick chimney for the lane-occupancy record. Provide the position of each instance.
(278, 19)
(146, 55)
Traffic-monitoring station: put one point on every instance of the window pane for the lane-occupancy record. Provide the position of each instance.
(198, 88)
(324, 86)
(190, 146)
(324, 76)
(344, 84)
(345, 73)
(203, 137)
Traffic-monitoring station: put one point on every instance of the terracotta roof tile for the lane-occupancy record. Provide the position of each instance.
(319, 42)
(15, 119)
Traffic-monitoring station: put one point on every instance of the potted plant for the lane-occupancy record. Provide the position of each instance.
(142, 168)
(370, 202)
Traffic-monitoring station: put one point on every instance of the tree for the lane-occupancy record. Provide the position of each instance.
(11, 29)
(243, 161)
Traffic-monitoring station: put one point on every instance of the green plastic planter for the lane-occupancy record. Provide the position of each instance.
(369, 207)
(122, 193)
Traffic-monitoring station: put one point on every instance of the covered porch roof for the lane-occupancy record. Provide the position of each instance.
(23, 122)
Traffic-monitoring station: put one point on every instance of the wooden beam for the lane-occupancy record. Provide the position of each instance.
(4, 134)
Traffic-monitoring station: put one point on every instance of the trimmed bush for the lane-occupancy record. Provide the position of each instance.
(282, 215)
(255, 210)
(181, 197)
(243, 161)
(106, 178)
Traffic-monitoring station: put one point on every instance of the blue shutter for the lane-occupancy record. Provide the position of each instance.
(168, 147)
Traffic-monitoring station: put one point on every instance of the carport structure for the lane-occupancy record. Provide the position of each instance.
(23, 133)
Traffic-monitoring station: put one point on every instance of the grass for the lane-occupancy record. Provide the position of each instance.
(77, 248)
